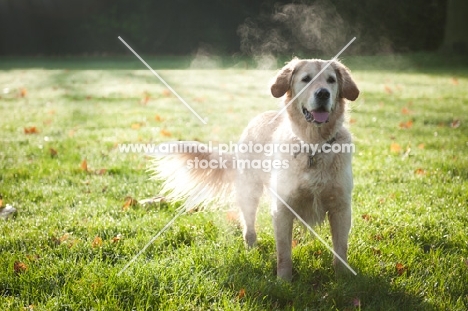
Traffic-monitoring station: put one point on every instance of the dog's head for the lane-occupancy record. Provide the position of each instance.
(318, 88)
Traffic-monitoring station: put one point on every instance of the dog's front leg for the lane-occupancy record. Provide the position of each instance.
(340, 224)
(283, 224)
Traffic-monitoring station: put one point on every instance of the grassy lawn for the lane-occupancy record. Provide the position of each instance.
(61, 121)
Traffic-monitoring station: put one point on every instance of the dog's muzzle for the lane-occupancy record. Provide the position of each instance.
(317, 117)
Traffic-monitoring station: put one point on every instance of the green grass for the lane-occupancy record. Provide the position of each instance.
(409, 205)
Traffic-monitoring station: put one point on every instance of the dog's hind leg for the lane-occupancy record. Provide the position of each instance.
(248, 193)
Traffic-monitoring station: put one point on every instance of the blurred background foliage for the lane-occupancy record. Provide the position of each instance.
(63, 27)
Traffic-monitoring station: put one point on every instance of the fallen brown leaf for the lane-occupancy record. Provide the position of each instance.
(97, 242)
(31, 130)
(136, 126)
(454, 81)
(145, 99)
(378, 237)
(53, 152)
(84, 165)
(19, 267)
(406, 125)
(165, 133)
(294, 243)
(158, 118)
(405, 110)
(400, 268)
(420, 171)
(395, 148)
(455, 123)
(23, 92)
(117, 238)
(388, 89)
(166, 92)
(64, 237)
(366, 217)
(421, 146)
(129, 202)
(241, 293)
(101, 171)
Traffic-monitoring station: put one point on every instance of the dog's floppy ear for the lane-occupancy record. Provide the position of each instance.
(348, 88)
(281, 83)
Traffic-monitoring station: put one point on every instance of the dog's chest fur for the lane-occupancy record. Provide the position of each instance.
(310, 179)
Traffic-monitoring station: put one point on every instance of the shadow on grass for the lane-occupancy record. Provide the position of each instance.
(315, 290)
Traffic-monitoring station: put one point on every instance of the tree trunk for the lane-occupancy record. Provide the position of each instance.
(456, 27)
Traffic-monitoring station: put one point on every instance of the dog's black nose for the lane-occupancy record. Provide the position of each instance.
(322, 94)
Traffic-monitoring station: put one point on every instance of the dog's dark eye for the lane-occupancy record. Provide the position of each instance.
(331, 80)
(306, 79)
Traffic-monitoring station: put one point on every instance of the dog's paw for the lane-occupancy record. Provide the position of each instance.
(285, 274)
(342, 271)
(250, 239)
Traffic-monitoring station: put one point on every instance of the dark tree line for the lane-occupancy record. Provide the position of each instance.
(61, 27)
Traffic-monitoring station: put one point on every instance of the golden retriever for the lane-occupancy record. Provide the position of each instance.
(315, 184)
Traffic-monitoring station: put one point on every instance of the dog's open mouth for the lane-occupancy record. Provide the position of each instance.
(316, 116)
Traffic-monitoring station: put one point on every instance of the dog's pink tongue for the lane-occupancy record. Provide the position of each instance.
(320, 117)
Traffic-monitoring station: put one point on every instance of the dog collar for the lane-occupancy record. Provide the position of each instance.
(311, 162)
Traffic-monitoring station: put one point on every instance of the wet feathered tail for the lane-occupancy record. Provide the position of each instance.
(194, 175)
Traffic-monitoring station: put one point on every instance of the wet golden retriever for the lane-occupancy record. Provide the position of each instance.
(314, 183)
